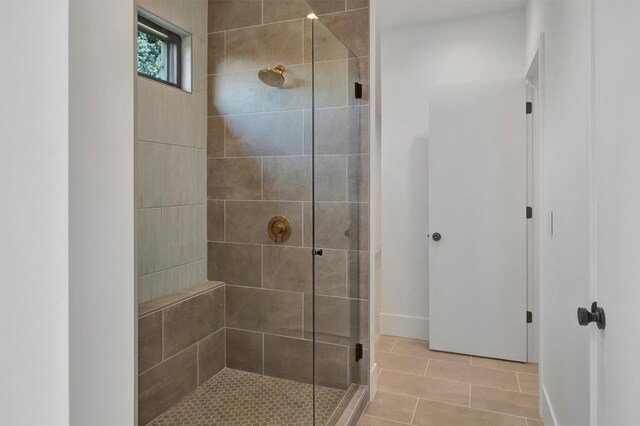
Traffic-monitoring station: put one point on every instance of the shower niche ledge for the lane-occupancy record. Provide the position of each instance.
(177, 297)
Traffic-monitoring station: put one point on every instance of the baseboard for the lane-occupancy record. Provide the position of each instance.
(404, 326)
(548, 416)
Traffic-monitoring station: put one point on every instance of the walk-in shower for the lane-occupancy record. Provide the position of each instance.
(253, 230)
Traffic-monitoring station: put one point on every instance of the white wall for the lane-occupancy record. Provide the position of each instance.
(564, 275)
(34, 276)
(414, 59)
(101, 212)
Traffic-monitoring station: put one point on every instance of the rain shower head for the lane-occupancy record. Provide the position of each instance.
(273, 77)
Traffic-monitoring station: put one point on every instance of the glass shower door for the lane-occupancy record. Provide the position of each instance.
(338, 306)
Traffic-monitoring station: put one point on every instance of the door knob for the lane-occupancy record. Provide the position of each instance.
(436, 236)
(596, 315)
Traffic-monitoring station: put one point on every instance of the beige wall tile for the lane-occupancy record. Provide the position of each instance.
(528, 383)
(358, 178)
(424, 387)
(215, 137)
(264, 46)
(331, 366)
(326, 48)
(392, 406)
(337, 320)
(200, 166)
(358, 274)
(502, 401)
(402, 363)
(291, 359)
(234, 178)
(521, 367)
(338, 225)
(330, 178)
(247, 221)
(215, 220)
(288, 358)
(151, 174)
(244, 350)
(167, 383)
(192, 320)
(228, 14)
(284, 10)
(268, 311)
(326, 6)
(330, 88)
(287, 178)
(434, 413)
(264, 134)
(216, 53)
(357, 4)
(211, 355)
(235, 93)
(337, 131)
(471, 374)
(295, 94)
(238, 264)
(352, 28)
(149, 341)
(199, 55)
(291, 268)
(149, 242)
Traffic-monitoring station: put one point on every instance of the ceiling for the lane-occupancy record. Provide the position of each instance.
(398, 13)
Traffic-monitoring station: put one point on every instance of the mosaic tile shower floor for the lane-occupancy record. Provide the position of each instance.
(234, 397)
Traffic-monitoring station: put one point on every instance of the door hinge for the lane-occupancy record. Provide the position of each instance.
(529, 107)
(359, 351)
(358, 90)
(529, 212)
(529, 317)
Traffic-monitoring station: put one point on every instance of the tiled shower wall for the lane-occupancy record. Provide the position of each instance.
(171, 166)
(259, 166)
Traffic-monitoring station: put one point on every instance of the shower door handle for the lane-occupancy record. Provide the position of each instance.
(317, 252)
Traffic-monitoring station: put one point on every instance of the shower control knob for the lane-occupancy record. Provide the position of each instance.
(436, 236)
(279, 229)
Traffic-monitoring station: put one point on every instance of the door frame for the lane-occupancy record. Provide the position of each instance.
(535, 282)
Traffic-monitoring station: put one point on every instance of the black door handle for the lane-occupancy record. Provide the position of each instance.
(436, 236)
(596, 315)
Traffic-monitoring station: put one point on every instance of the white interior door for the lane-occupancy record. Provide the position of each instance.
(617, 166)
(477, 201)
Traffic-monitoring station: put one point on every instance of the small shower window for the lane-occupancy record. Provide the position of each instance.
(159, 52)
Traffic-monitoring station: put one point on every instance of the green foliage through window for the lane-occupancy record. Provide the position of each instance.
(152, 56)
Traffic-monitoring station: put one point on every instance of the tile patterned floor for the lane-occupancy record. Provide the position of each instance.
(234, 397)
(417, 386)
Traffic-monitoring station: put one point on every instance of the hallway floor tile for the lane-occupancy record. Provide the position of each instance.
(418, 386)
